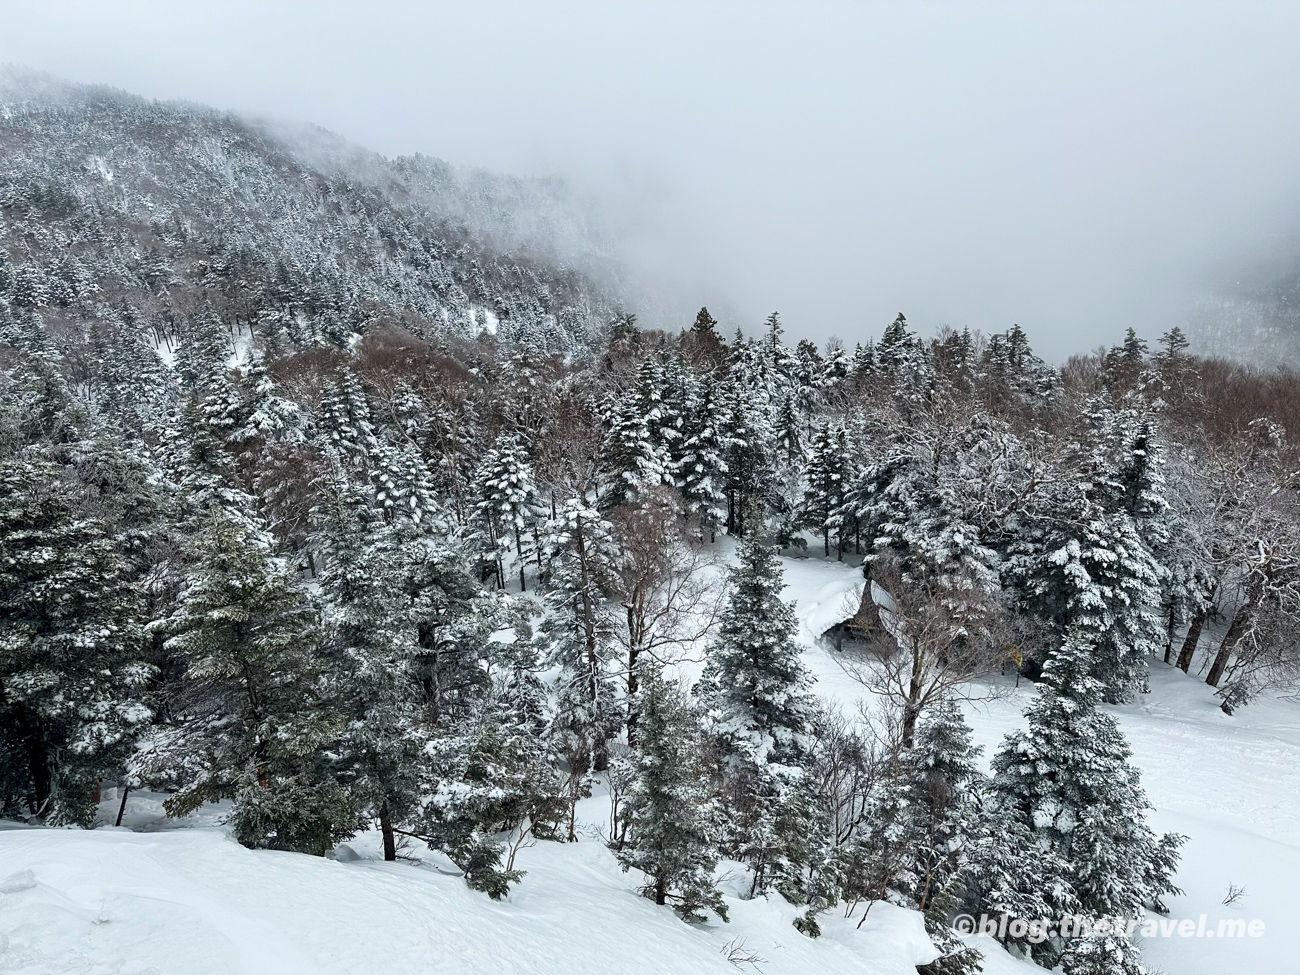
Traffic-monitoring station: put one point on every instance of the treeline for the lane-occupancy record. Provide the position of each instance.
(438, 585)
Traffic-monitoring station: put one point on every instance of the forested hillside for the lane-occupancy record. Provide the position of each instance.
(283, 526)
(122, 214)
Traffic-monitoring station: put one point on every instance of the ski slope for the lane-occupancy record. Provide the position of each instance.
(171, 898)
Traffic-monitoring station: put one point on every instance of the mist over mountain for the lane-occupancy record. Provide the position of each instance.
(111, 201)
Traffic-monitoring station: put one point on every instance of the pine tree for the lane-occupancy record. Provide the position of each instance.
(506, 508)
(668, 818)
(756, 690)
(1009, 873)
(204, 351)
(942, 808)
(370, 643)
(705, 323)
(826, 479)
(579, 636)
(1069, 781)
(774, 333)
(262, 725)
(72, 668)
(754, 679)
(702, 469)
(1085, 566)
(493, 773)
(638, 452)
(1104, 950)
(747, 433)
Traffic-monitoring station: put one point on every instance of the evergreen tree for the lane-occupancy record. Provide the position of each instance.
(826, 479)
(1069, 782)
(704, 323)
(702, 470)
(1104, 950)
(370, 641)
(774, 332)
(638, 451)
(748, 436)
(506, 508)
(261, 722)
(579, 634)
(942, 811)
(1009, 873)
(1085, 566)
(756, 689)
(668, 818)
(72, 668)
(753, 678)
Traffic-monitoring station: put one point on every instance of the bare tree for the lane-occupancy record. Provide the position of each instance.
(661, 578)
(928, 636)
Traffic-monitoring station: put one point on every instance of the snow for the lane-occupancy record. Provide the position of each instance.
(160, 896)
(1229, 783)
(192, 900)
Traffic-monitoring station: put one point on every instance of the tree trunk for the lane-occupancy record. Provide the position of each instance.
(633, 653)
(1240, 623)
(386, 828)
(1192, 640)
(1169, 632)
(911, 714)
(38, 764)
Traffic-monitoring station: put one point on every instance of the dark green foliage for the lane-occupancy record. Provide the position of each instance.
(72, 670)
(264, 724)
(669, 822)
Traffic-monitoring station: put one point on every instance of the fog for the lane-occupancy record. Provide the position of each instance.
(1075, 168)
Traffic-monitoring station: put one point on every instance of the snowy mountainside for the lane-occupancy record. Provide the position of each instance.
(109, 201)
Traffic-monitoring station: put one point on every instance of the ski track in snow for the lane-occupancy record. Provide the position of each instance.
(167, 898)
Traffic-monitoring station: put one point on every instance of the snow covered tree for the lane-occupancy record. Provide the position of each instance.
(753, 677)
(72, 663)
(260, 718)
(747, 433)
(1068, 779)
(642, 436)
(826, 479)
(371, 645)
(1086, 570)
(903, 358)
(702, 468)
(1104, 950)
(506, 507)
(579, 631)
(669, 819)
(755, 688)
(942, 809)
(204, 352)
(1009, 873)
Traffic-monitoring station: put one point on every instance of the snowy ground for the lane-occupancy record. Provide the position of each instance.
(1229, 783)
(162, 897)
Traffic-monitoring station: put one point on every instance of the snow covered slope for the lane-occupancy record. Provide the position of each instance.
(1229, 783)
(191, 900)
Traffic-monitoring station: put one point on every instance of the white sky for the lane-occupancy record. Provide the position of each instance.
(1074, 167)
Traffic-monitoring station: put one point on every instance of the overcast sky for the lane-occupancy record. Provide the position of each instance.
(1074, 167)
